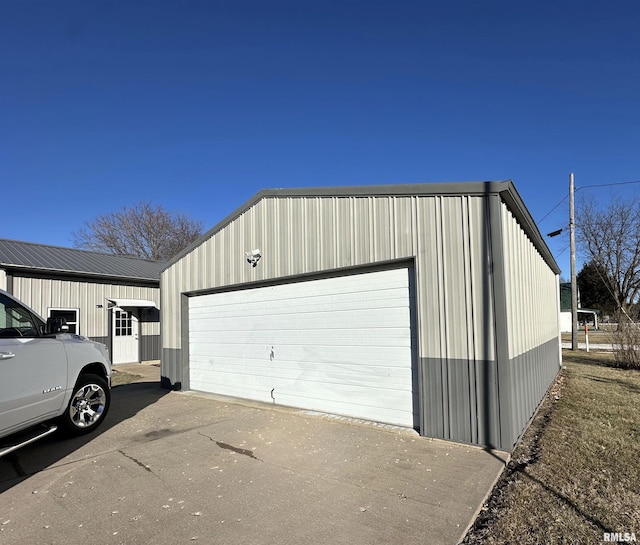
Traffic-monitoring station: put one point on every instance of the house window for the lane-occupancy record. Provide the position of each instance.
(70, 315)
(123, 324)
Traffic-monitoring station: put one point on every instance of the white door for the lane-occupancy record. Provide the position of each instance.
(125, 337)
(340, 345)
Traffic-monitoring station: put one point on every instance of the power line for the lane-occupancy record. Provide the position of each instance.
(586, 187)
(608, 185)
(556, 206)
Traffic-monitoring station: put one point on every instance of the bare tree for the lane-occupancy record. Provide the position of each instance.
(145, 230)
(610, 237)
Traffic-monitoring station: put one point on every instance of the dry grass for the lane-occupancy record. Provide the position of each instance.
(576, 472)
(119, 378)
(595, 336)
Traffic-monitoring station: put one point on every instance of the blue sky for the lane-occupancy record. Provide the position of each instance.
(198, 105)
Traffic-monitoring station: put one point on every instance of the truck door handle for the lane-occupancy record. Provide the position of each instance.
(6, 355)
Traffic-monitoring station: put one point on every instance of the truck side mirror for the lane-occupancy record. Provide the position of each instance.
(56, 325)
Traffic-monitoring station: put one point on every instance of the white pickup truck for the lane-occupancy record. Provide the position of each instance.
(48, 378)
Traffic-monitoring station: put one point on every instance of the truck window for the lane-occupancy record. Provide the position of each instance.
(17, 321)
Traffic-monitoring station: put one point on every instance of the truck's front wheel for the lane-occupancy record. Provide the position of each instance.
(88, 405)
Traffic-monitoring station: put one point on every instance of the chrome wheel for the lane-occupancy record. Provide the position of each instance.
(87, 405)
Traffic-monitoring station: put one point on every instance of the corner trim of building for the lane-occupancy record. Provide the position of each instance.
(505, 391)
(184, 341)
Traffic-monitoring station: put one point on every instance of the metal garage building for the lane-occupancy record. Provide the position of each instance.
(433, 306)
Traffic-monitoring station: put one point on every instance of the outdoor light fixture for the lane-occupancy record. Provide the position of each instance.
(253, 257)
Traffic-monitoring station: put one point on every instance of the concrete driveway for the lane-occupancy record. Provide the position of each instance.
(171, 468)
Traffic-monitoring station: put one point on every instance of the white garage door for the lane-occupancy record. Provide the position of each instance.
(340, 345)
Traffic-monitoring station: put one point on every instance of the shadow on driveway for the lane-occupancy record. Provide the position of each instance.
(126, 401)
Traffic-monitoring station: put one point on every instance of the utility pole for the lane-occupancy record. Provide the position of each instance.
(574, 283)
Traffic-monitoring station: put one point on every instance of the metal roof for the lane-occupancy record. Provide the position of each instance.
(33, 257)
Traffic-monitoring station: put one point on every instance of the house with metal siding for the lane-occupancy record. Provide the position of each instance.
(433, 306)
(108, 298)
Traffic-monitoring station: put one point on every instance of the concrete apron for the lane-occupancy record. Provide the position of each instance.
(172, 467)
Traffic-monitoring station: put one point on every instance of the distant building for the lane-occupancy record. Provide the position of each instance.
(588, 314)
(107, 298)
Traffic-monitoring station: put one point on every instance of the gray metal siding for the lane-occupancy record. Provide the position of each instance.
(170, 367)
(477, 267)
(90, 298)
(532, 373)
(529, 356)
(446, 236)
(530, 287)
(299, 236)
(505, 189)
(457, 322)
(462, 401)
(149, 347)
